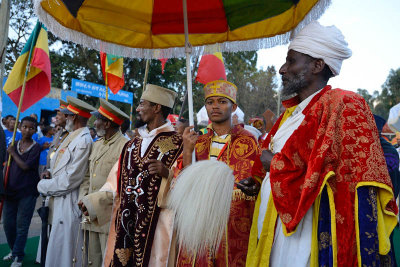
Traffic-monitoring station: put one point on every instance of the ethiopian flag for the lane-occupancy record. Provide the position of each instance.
(38, 80)
(113, 71)
(211, 68)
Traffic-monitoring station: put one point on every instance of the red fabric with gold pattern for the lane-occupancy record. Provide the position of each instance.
(337, 134)
(239, 155)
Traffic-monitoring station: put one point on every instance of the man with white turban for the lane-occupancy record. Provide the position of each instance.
(327, 198)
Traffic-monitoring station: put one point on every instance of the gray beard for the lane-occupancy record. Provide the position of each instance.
(100, 132)
(294, 86)
(69, 126)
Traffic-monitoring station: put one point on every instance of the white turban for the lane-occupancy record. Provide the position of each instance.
(322, 42)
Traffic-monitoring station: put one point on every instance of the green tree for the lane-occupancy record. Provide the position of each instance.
(390, 94)
(21, 25)
(370, 99)
(256, 88)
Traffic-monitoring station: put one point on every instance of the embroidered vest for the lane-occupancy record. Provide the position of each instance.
(137, 217)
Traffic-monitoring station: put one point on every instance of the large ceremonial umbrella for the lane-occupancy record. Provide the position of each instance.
(175, 28)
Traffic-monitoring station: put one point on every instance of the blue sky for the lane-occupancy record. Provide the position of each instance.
(372, 29)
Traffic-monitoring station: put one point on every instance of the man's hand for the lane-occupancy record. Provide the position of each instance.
(189, 142)
(83, 208)
(46, 145)
(157, 167)
(266, 158)
(11, 150)
(189, 139)
(248, 186)
(45, 175)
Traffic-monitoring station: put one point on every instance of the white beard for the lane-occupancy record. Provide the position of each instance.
(201, 199)
(100, 132)
(69, 126)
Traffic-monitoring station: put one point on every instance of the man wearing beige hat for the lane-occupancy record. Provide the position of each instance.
(139, 235)
(95, 205)
(67, 170)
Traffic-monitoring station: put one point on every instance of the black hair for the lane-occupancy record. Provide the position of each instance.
(9, 116)
(92, 129)
(103, 118)
(125, 126)
(183, 120)
(30, 119)
(165, 111)
(326, 71)
(46, 129)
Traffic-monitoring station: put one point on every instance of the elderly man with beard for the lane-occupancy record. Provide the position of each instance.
(141, 227)
(327, 198)
(95, 205)
(68, 167)
(57, 140)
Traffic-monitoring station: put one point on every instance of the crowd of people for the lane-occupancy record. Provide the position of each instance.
(319, 188)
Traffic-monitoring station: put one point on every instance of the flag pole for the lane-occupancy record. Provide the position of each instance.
(21, 98)
(106, 85)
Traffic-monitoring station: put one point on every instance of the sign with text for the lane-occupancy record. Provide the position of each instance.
(98, 90)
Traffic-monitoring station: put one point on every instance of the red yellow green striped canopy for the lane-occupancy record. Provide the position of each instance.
(154, 28)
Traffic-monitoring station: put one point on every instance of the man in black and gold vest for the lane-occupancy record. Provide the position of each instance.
(138, 234)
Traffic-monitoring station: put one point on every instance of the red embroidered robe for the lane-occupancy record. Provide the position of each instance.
(338, 134)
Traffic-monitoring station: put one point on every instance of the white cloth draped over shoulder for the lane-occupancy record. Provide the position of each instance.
(294, 250)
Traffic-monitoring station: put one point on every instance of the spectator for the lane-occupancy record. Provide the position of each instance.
(93, 134)
(40, 126)
(45, 142)
(10, 124)
(4, 122)
(21, 192)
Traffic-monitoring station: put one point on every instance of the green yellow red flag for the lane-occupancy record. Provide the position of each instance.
(38, 80)
(113, 68)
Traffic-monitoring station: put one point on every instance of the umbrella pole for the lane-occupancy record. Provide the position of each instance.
(188, 51)
(185, 97)
(21, 98)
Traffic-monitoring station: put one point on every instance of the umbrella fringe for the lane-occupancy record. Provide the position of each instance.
(229, 46)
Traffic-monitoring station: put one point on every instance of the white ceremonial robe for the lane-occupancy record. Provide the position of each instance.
(66, 176)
